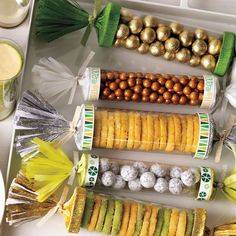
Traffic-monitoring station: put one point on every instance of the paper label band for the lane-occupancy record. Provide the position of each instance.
(94, 74)
(206, 184)
(204, 136)
(92, 170)
(210, 89)
(88, 127)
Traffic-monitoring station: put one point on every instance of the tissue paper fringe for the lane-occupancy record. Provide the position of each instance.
(22, 205)
(35, 117)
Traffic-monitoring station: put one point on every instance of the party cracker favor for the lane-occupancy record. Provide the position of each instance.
(110, 215)
(53, 80)
(119, 27)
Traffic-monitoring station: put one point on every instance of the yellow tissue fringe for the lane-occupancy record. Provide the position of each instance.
(49, 169)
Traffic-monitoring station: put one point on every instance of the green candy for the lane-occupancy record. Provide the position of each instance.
(190, 219)
(102, 215)
(88, 210)
(166, 223)
(160, 220)
(117, 217)
(139, 221)
(109, 217)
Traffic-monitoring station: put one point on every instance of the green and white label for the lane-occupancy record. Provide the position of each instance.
(204, 134)
(92, 170)
(210, 90)
(206, 184)
(94, 74)
(88, 127)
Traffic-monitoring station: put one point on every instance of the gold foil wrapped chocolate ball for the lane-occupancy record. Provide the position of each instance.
(195, 60)
(157, 49)
(150, 21)
(199, 47)
(176, 28)
(148, 35)
(186, 38)
(183, 55)
(201, 34)
(132, 42)
(143, 48)
(163, 33)
(214, 47)
(172, 45)
(208, 62)
(119, 43)
(170, 56)
(211, 38)
(126, 15)
(122, 32)
(136, 25)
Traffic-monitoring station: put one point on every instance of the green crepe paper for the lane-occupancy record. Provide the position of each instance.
(55, 18)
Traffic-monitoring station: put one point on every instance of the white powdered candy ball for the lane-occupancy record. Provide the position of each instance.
(104, 165)
(197, 174)
(119, 183)
(158, 170)
(135, 185)
(148, 180)
(141, 167)
(115, 168)
(128, 173)
(176, 172)
(161, 185)
(188, 178)
(175, 186)
(108, 178)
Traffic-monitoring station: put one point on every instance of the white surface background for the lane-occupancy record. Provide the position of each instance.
(65, 49)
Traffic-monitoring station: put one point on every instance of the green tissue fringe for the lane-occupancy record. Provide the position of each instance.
(55, 18)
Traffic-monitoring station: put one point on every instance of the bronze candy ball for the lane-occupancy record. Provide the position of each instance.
(135, 25)
(183, 55)
(147, 83)
(193, 96)
(199, 47)
(200, 85)
(146, 92)
(128, 93)
(187, 90)
(177, 87)
(175, 99)
(139, 81)
(162, 80)
(160, 99)
(132, 42)
(122, 32)
(167, 95)
(150, 21)
(186, 38)
(192, 84)
(153, 97)
(201, 34)
(131, 75)
(183, 100)
(119, 98)
(208, 62)
(193, 102)
(143, 48)
(123, 76)
(138, 89)
(119, 92)
(113, 86)
(106, 92)
(176, 27)
(155, 86)
(214, 47)
(112, 96)
(184, 80)
(157, 49)
(172, 45)
(161, 90)
(131, 82)
(135, 97)
(163, 33)
(123, 85)
(145, 99)
(169, 84)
